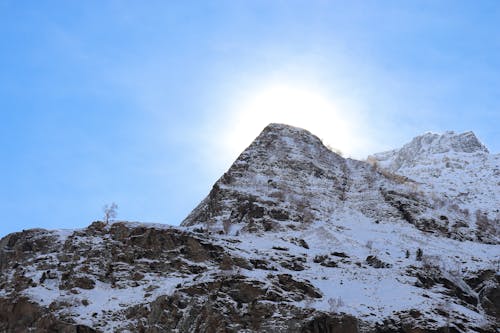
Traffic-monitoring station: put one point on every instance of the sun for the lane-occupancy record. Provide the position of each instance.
(293, 104)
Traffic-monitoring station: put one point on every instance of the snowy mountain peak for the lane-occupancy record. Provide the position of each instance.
(284, 140)
(283, 128)
(272, 181)
(429, 145)
(466, 142)
(287, 179)
(456, 166)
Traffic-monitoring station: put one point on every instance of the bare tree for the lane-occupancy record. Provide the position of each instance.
(109, 212)
(226, 225)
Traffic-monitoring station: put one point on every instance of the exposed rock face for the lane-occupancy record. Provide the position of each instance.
(272, 183)
(292, 238)
(21, 315)
(330, 324)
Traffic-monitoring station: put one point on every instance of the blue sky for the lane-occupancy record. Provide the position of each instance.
(145, 103)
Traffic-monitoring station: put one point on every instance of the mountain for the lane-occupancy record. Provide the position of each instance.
(292, 238)
(454, 166)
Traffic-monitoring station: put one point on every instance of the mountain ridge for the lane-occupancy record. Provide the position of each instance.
(465, 142)
(292, 238)
(469, 176)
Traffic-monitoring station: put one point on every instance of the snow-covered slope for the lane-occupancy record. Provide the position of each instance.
(456, 170)
(457, 167)
(292, 238)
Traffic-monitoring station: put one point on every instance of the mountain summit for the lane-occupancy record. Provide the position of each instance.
(454, 166)
(430, 144)
(273, 180)
(292, 238)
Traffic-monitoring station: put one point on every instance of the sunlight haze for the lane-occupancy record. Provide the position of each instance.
(292, 104)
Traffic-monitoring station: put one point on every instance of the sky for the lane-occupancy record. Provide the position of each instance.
(147, 103)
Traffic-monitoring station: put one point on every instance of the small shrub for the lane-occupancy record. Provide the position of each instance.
(419, 254)
(335, 303)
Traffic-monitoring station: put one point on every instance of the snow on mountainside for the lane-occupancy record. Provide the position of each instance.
(287, 177)
(453, 166)
(292, 238)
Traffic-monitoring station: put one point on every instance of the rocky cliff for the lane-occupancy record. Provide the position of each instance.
(292, 238)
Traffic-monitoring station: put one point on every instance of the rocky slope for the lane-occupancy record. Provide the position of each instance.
(292, 238)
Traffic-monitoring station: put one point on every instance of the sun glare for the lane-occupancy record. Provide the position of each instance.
(294, 105)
